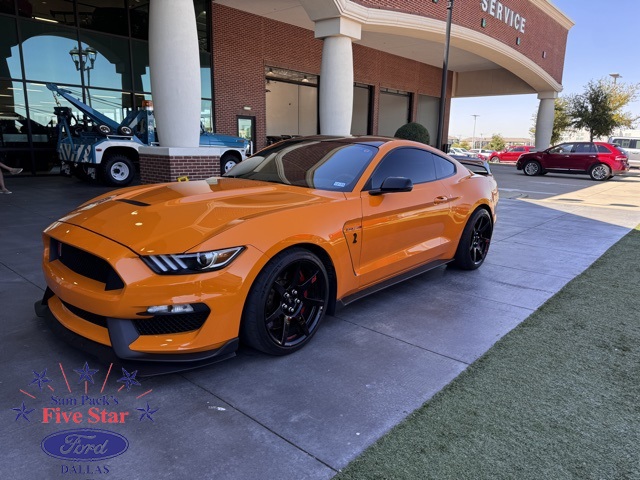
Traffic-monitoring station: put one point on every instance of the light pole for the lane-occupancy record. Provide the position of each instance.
(615, 76)
(445, 68)
(84, 60)
(473, 141)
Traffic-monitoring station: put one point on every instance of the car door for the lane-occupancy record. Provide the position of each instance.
(558, 157)
(583, 157)
(402, 230)
(512, 154)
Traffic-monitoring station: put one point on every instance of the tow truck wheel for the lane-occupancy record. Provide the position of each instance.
(228, 161)
(118, 170)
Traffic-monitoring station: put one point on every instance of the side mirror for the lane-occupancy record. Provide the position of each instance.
(393, 184)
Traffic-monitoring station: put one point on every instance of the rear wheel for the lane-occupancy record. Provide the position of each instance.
(495, 159)
(600, 172)
(228, 161)
(286, 303)
(531, 167)
(474, 242)
(118, 170)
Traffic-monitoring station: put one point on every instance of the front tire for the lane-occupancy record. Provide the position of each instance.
(474, 242)
(531, 168)
(286, 303)
(118, 170)
(600, 172)
(495, 159)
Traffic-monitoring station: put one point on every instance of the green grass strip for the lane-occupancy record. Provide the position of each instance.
(556, 398)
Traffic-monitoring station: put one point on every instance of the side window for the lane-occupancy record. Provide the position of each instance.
(634, 144)
(518, 149)
(444, 168)
(603, 149)
(563, 148)
(584, 148)
(417, 165)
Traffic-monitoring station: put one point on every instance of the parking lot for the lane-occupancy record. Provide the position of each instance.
(308, 414)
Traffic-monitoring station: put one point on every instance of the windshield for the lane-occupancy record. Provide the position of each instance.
(325, 165)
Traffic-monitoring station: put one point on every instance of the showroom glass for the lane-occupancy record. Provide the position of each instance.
(12, 115)
(108, 16)
(58, 11)
(139, 18)
(46, 49)
(9, 46)
(324, 165)
(111, 67)
(412, 163)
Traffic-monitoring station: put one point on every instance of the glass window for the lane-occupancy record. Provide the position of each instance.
(46, 48)
(9, 46)
(13, 115)
(444, 168)
(139, 18)
(107, 16)
(393, 112)
(206, 115)
(360, 114)
(110, 67)
(562, 148)
(42, 118)
(205, 74)
(417, 165)
(584, 148)
(141, 77)
(603, 149)
(202, 24)
(58, 11)
(325, 165)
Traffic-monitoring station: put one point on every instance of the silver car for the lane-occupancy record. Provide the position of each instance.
(631, 145)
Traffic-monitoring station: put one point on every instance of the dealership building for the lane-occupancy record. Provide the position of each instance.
(269, 69)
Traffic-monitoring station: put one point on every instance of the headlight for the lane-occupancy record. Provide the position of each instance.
(183, 263)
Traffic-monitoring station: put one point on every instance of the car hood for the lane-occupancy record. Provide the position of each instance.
(176, 217)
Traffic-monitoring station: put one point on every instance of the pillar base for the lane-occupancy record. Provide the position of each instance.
(166, 164)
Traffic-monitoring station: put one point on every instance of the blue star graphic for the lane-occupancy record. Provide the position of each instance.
(147, 412)
(86, 373)
(129, 378)
(23, 412)
(40, 378)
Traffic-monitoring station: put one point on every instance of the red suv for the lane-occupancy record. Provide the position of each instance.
(510, 154)
(598, 159)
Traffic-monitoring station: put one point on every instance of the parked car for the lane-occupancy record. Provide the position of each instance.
(510, 154)
(482, 153)
(599, 160)
(182, 271)
(631, 146)
(463, 152)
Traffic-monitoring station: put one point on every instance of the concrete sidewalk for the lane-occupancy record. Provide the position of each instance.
(308, 414)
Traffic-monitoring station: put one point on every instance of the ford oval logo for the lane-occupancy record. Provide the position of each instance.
(85, 444)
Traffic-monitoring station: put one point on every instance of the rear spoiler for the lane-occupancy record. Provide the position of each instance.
(476, 165)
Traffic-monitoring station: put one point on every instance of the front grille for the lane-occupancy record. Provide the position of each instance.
(166, 324)
(86, 264)
(99, 320)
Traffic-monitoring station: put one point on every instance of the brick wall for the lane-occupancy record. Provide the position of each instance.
(243, 44)
(167, 168)
(542, 34)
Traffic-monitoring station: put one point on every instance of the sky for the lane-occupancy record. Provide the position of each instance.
(605, 39)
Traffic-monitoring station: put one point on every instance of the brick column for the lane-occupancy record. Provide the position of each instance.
(163, 164)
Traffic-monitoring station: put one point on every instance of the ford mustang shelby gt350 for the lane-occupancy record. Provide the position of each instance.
(184, 271)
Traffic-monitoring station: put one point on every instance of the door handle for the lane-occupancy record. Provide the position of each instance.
(440, 199)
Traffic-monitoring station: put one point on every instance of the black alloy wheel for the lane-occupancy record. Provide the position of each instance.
(474, 242)
(286, 303)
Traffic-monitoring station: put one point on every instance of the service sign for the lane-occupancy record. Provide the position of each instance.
(84, 414)
(500, 11)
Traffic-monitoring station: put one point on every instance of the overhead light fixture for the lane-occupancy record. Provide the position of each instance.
(270, 72)
(305, 79)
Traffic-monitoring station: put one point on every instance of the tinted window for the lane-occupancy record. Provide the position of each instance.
(417, 165)
(325, 165)
(603, 149)
(444, 168)
(562, 148)
(584, 148)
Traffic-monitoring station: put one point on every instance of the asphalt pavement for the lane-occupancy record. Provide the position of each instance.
(301, 416)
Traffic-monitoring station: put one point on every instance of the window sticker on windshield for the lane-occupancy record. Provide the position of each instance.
(339, 184)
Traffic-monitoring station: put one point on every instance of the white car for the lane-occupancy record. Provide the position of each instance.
(482, 153)
(463, 152)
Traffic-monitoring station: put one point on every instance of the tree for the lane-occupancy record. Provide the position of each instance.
(599, 108)
(413, 131)
(496, 143)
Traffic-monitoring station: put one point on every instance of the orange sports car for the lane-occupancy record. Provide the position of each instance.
(184, 271)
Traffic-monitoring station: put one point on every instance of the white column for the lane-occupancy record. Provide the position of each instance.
(174, 64)
(544, 122)
(336, 74)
